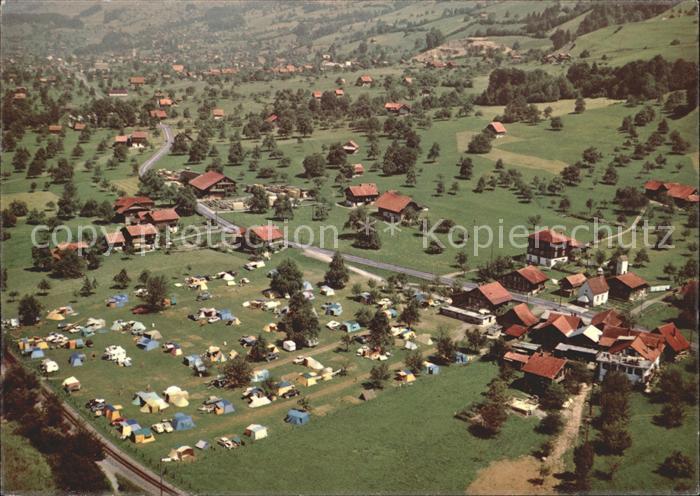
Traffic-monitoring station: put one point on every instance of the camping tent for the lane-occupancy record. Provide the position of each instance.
(431, 368)
(48, 366)
(153, 334)
(257, 401)
(223, 407)
(289, 345)
(176, 396)
(37, 353)
(327, 291)
(143, 435)
(76, 359)
(410, 345)
(260, 375)
(71, 384)
(182, 454)
(147, 344)
(461, 358)
(201, 444)
(367, 395)
(297, 417)
(350, 326)
(182, 422)
(256, 431)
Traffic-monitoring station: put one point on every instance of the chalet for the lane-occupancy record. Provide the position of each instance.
(548, 247)
(397, 108)
(55, 129)
(178, 68)
(79, 126)
(139, 138)
(217, 114)
(393, 206)
(674, 339)
(351, 147)
(114, 241)
(118, 92)
(361, 194)
(489, 296)
(637, 357)
(165, 102)
(214, 184)
(364, 81)
(497, 129)
(128, 207)
(140, 236)
(79, 247)
(272, 119)
(161, 218)
(358, 169)
(137, 81)
(317, 95)
(557, 328)
(520, 315)
(269, 236)
(571, 283)
(681, 194)
(628, 287)
(541, 370)
(529, 280)
(158, 114)
(608, 318)
(594, 292)
(339, 92)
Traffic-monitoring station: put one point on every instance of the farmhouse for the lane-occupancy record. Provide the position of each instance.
(557, 328)
(118, 92)
(165, 102)
(212, 184)
(397, 108)
(521, 315)
(541, 370)
(178, 67)
(394, 206)
(79, 247)
(317, 95)
(529, 280)
(364, 81)
(55, 129)
(628, 287)
(351, 147)
(548, 247)
(217, 114)
(489, 296)
(269, 237)
(158, 114)
(361, 194)
(126, 208)
(681, 194)
(497, 129)
(569, 284)
(140, 235)
(674, 339)
(608, 318)
(636, 357)
(137, 81)
(594, 292)
(139, 138)
(161, 218)
(339, 92)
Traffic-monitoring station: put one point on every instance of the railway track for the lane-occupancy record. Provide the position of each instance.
(142, 477)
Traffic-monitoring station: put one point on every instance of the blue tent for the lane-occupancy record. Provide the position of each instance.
(461, 358)
(147, 344)
(191, 360)
(79, 343)
(173, 300)
(119, 300)
(334, 309)
(182, 422)
(350, 326)
(432, 369)
(260, 375)
(392, 313)
(37, 353)
(223, 407)
(297, 417)
(225, 314)
(86, 332)
(76, 359)
(307, 286)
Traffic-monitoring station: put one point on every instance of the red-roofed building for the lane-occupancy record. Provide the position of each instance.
(358, 169)
(497, 128)
(556, 329)
(158, 114)
(528, 280)
(272, 119)
(393, 206)
(165, 102)
(137, 80)
(637, 356)
(115, 240)
(628, 287)
(55, 129)
(594, 292)
(217, 114)
(79, 126)
(339, 92)
(520, 315)
(515, 331)
(361, 194)
(608, 318)
(541, 370)
(178, 67)
(317, 95)
(517, 360)
(214, 184)
(140, 235)
(118, 92)
(268, 237)
(682, 194)
(161, 218)
(365, 81)
(675, 340)
(351, 147)
(397, 108)
(548, 247)
(127, 207)
(139, 137)
(489, 296)
(569, 284)
(79, 247)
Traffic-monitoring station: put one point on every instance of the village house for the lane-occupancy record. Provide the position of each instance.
(55, 129)
(140, 236)
(638, 357)
(118, 92)
(114, 241)
(489, 296)
(594, 292)
(519, 315)
(217, 114)
(80, 247)
(361, 194)
(161, 218)
(556, 329)
(158, 114)
(607, 318)
(213, 184)
(364, 81)
(165, 102)
(497, 129)
(358, 169)
(137, 81)
(269, 237)
(541, 370)
(675, 341)
(79, 126)
(397, 108)
(628, 287)
(317, 94)
(393, 206)
(339, 92)
(178, 68)
(126, 208)
(569, 284)
(681, 194)
(351, 147)
(548, 247)
(528, 280)
(139, 138)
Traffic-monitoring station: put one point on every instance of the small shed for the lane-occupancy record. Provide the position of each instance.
(182, 422)
(256, 432)
(297, 417)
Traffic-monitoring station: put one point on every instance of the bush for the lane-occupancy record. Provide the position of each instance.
(552, 424)
(677, 465)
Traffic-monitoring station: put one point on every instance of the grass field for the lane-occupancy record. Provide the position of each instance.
(24, 468)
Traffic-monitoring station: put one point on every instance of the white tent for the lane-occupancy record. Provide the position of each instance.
(289, 345)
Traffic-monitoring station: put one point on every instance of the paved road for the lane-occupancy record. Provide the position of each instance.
(162, 151)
